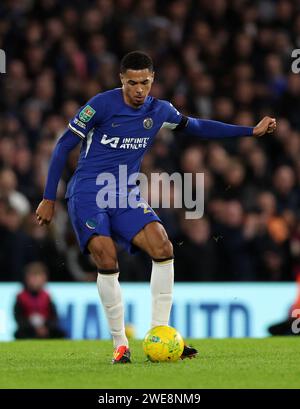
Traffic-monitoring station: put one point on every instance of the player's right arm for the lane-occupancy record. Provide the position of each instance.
(65, 144)
(79, 127)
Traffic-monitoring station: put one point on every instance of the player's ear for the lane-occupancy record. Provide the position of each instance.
(122, 78)
(153, 75)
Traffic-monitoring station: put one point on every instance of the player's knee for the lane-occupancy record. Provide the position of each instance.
(104, 259)
(162, 250)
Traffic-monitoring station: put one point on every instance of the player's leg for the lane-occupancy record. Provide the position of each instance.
(92, 229)
(141, 227)
(154, 240)
(103, 251)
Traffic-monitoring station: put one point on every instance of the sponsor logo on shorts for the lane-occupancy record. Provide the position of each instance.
(91, 224)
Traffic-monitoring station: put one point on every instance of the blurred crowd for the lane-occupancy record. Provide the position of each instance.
(228, 60)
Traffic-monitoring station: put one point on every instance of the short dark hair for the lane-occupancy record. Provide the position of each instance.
(136, 60)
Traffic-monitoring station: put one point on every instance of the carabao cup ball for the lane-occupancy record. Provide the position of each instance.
(162, 344)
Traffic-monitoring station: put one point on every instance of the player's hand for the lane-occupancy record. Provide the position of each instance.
(266, 125)
(45, 211)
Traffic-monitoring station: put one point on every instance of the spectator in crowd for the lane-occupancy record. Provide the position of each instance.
(195, 252)
(8, 184)
(34, 310)
(234, 253)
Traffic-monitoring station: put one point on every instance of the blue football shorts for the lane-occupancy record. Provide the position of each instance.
(120, 224)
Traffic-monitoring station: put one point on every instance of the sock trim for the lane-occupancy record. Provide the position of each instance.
(163, 260)
(105, 272)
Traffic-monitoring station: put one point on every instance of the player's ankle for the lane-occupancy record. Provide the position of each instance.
(119, 340)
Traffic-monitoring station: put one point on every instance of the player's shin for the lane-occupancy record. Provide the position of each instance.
(162, 282)
(110, 294)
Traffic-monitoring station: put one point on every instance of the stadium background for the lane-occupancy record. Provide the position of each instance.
(224, 60)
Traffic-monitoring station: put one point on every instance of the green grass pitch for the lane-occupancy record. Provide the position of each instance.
(222, 363)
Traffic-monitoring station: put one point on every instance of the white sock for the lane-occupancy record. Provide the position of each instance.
(162, 281)
(110, 294)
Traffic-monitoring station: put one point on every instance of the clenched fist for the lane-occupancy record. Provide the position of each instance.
(266, 125)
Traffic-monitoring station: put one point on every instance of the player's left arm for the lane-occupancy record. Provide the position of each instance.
(205, 128)
(209, 129)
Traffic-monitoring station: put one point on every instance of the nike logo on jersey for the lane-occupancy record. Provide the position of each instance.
(114, 125)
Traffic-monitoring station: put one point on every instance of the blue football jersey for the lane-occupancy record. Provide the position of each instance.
(113, 134)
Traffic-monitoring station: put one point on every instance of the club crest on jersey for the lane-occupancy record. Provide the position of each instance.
(148, 123)
(87, 113)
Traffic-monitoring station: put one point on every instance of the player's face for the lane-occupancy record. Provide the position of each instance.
(136, 86)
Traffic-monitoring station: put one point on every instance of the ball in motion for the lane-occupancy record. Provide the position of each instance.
(163, 343)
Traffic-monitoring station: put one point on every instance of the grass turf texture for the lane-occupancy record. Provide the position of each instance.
(221, 363)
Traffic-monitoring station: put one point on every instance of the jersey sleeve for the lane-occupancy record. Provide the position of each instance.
(64, 145)
(171, 117)
(87, 117)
